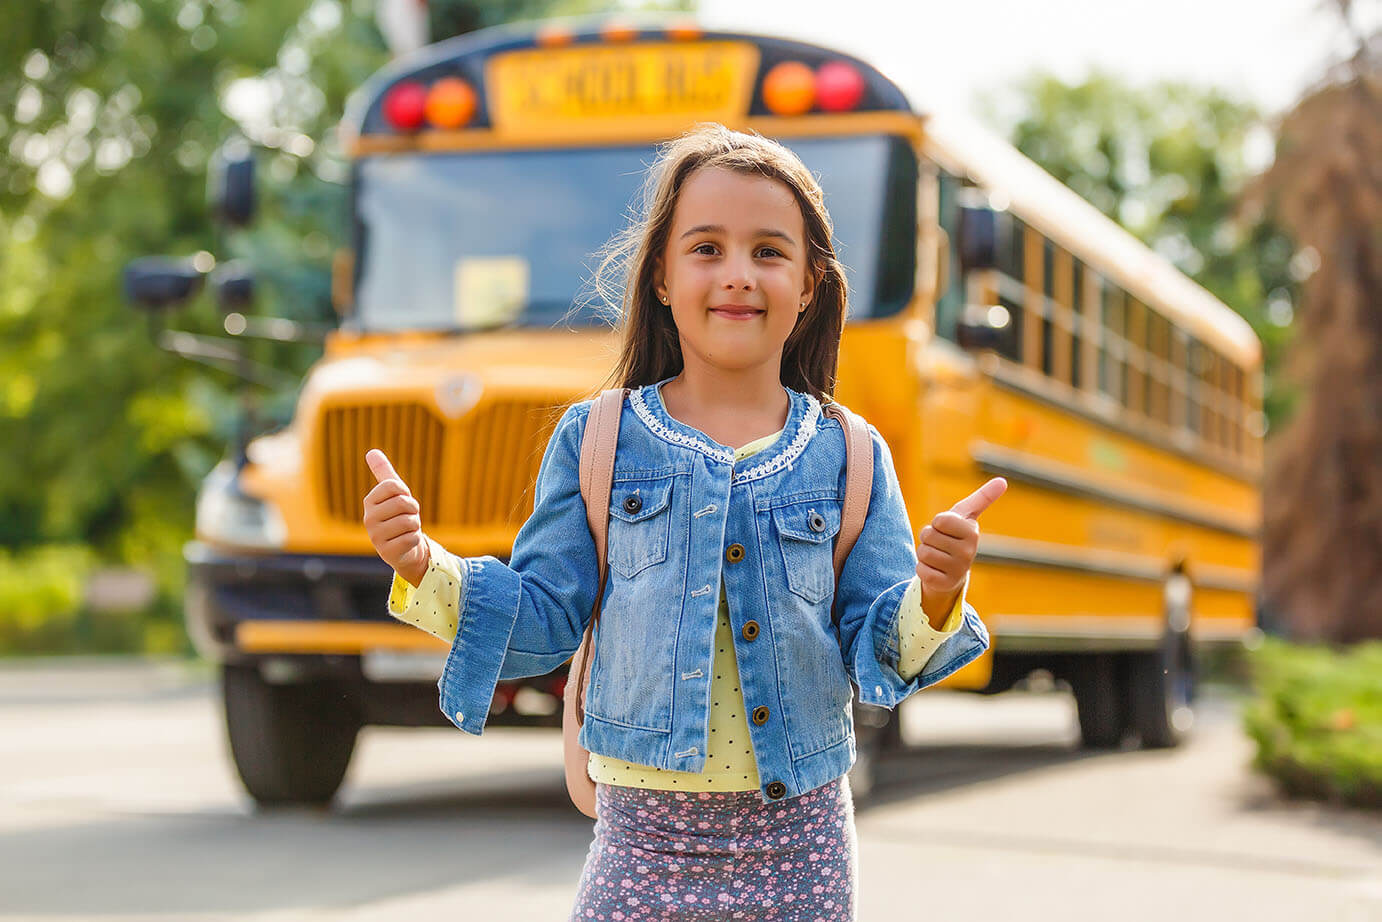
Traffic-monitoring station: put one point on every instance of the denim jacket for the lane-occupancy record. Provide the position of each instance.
(683, 517)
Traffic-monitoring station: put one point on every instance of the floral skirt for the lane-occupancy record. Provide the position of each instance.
(715, 855)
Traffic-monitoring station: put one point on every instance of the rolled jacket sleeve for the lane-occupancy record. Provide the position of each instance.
(874, 584)
(526, 617)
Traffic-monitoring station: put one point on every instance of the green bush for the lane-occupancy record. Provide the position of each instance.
(41, 594)
(1317, 720)
(44, 607)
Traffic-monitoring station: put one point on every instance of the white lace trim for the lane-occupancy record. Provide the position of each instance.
(784, 458)
(777, 462)
(671, 435)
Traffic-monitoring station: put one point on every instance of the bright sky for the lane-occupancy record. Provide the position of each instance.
(943, 53)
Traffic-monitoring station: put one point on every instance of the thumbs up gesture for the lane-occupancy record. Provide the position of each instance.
(393, 521)
(947, 549)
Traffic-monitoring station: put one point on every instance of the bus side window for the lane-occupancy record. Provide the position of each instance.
(1011, 275)
(1211, 398)
(1135, 322)
(897, 244)
(1076, 322)
(1194, 366)
(950, 303)
(1158, 355)
(1239, 410)
(1112, 347)
(1179, 340)
(1048, 307)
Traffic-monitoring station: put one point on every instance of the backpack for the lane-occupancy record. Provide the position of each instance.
(597, 480)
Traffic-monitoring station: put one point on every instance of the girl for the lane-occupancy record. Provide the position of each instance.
(718, 714)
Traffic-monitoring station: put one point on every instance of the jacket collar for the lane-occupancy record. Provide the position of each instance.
(802, 417)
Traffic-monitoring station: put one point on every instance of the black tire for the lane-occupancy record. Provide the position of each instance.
(1161, 692)
(1099, 701)
(291, 744)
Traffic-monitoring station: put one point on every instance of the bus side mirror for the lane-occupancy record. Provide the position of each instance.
(230, 183)
(978, 247)
(233, 285)
(157, 283)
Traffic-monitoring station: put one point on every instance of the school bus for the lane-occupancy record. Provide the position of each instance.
(999, 325)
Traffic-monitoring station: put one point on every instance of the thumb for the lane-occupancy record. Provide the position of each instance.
(980, 499)
(379, 465)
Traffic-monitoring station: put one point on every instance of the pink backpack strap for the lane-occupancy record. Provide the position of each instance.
(596, 478)
(598, 445)
(858, 481)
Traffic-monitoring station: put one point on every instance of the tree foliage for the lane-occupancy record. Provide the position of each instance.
(113, 108)
(1323, 529)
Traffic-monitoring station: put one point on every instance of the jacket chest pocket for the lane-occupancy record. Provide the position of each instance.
(639, 521)
(804, 532)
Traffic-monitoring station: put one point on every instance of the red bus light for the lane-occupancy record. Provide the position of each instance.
(405, 106)
(839, 87)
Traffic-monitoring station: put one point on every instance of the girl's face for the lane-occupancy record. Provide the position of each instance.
(734, 273)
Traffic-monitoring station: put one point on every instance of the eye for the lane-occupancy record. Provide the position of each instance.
(701, 246)
(772, 251)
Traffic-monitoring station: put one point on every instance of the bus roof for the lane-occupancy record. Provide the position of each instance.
(468, 57)
(1055, 210)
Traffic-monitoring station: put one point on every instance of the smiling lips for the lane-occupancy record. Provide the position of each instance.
(736, 311)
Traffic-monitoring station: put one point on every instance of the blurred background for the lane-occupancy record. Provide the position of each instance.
(1239, 140)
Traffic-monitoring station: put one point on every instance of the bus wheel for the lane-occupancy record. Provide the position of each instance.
(290, 743)
(1161, 683)
(871, 737)
(1099, 701)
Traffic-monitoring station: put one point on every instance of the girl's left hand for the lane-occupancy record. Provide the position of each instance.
(948, 546)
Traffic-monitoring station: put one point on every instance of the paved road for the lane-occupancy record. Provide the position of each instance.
(117, 802)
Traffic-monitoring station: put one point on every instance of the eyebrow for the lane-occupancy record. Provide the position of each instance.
(720, 229)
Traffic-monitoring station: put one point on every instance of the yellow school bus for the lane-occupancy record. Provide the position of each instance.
(999, 325)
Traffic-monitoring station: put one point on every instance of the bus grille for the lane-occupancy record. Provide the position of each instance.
(476, 472)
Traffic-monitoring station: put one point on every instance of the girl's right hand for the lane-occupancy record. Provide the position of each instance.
(393, 521)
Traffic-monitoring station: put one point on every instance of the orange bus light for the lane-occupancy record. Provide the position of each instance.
(450, 103)
(789, 88)
(685, 31)
(554, 36)
(618, 31)
(405, 106)
(839, 87)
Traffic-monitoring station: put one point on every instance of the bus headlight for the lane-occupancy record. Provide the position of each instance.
(227, 515)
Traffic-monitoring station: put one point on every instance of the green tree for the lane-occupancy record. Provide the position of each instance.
(1169, 162)
(1322, 541)
(116, 107)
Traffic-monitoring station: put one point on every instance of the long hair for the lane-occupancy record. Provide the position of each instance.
(651, 350)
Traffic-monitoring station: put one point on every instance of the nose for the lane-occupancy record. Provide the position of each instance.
(738, 274)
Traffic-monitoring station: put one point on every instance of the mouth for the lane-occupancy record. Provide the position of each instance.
(736, 311)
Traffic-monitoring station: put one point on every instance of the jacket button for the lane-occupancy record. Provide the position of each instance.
(817, 522)
(734, 553)
(776, 789)
(760, 715)
(750, 630)
(633, 503)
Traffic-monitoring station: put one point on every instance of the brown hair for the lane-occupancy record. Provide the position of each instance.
(651, 349)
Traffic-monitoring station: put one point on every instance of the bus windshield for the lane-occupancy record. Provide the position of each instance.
(470, 241)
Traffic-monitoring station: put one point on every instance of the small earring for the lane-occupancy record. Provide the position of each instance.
(664, 299)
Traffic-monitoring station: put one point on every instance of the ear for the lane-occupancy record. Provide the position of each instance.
(659, 278)
(808, 288)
